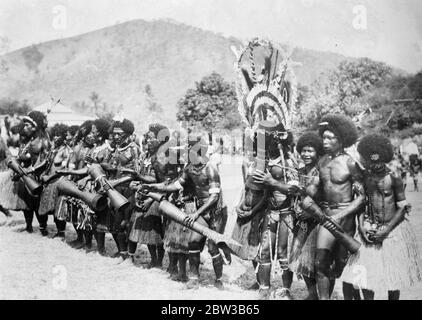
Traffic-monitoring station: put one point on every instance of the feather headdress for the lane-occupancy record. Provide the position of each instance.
(266, 87)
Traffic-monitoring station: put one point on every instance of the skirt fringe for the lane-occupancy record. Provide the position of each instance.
(176, 237)
(147, 227)
(303, 248)
(393, 265)
(49, 199)
(12, 194)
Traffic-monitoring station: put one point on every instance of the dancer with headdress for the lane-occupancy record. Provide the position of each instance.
(389, 259)
(176, 235)
(125, 156)
(94, 149)
(280, 179)
(100, 153)
(203, 178)
(32, 152)
(146, 222)
(82, 143)
(267, 103)
(57, 160)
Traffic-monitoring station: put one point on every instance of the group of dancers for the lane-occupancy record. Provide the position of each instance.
(61, 157)
(324, 205)
(342, 214)
(317, 211)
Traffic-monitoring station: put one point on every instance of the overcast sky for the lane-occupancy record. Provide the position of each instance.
(386, 30)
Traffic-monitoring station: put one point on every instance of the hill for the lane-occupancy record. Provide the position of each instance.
(118, 62)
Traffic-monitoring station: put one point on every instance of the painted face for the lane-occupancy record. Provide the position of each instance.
(119, 137)
(29, 129)
(330, 142)
(308, 155)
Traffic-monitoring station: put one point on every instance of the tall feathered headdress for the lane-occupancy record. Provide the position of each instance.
(266, 87)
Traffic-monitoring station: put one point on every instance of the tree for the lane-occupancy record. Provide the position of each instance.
(10, 107)
(415, 86)
(345, 90)
(212, 104)
(356, 78)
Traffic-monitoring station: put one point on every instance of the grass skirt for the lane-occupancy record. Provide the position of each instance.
(147, 227)
(49, 199)
(247, 233)
(393, 265)
(176, 237)
(12, 194)
(303, 248)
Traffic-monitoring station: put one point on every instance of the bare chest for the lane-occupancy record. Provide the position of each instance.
(335, 171)
(199, 177)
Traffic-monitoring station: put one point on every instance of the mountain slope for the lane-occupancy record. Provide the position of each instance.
(118, 62)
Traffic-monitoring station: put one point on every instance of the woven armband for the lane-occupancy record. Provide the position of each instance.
(214, 190)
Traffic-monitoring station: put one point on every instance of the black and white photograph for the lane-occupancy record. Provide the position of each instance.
(211, 150)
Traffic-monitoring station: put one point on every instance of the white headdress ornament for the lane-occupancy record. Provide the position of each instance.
(270, 95)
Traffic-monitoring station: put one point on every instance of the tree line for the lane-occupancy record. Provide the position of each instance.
(394, 98)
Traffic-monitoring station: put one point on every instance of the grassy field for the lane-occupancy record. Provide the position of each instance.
(35, 267)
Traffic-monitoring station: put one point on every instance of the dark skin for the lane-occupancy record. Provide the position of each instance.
(206, 178)
(60, 154)
(90, 140)
(252, 200)
(152, 145)
(310, 159)
(202, 186)
(394, 206)
(379, 184)
(337, 176)
(68, 138)
(278, 191)
(123, 158)
(38, 148)
(120, 139)
(79, 151)
(267, 179)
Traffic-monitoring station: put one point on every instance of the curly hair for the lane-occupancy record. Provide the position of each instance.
(342, 127)
(73, 129)
(83, 130)
(126, 125)
(310, 139)
(39, 118)
(17, 128)
(160, 131)
(59, 130)
(103, 127)
(376, 148)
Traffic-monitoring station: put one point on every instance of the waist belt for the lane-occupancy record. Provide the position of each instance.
(334, 205)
